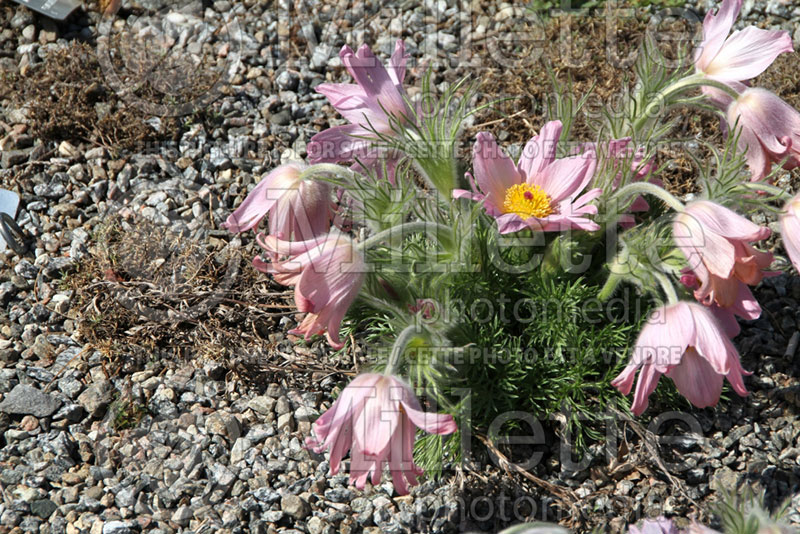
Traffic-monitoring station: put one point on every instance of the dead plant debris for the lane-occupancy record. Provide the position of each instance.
(148, 293)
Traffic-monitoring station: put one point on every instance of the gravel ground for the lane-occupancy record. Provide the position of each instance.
(185, 443)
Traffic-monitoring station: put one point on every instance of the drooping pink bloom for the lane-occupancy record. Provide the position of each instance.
(370, 105)
(376, 418)
(297, 208)
(716, 244)
(540, 192)
(745, 304)
(684, 342)
(659, 525)
(327, 273)
(618, 151)
(770, 130)
(790, 230)
(740, 56)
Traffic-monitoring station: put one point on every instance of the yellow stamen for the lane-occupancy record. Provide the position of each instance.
(527, 201)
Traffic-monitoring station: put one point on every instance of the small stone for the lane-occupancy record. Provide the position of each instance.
(57, 267)
(315, 525)
(224, 424)
(95, 153)
(116, 527)
(272, 516)
(43, 508)
(29, 32)
(182, 515)
(96, 398)
(295, 506)
(283, 406)
(262, 404)
(282, 118)
(10, 158)
(724, 479)
(27, 400)
(286, 421)
(26, 270)
(222, 475)
(29, 423)
(240, 447)
(306, 414)
(67, 150)
(339, 494)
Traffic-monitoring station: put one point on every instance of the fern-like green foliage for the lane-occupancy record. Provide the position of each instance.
(510, 332)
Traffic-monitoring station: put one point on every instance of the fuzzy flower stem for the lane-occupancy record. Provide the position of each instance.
(666, 285)
(394, 231)
(327, 168)
(609, 287)
(398, 348)
(695, 80)
(649, 189)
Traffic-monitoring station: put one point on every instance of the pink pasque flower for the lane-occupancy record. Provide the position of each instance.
(370, 105)
(618, 151)
(745, 304)
(790, 230)
(296, 207)
(738, 57)
(770, 130)
(682, 341)
(659, 525)
(376, 418)
(540, 191)
(715, 242)
(327, 273)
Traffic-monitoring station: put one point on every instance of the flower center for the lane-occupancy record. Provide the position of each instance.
(527, 201)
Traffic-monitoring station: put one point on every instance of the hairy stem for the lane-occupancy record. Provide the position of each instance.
(399, 346)
(646, 188)
(666, 285)
(394, 231)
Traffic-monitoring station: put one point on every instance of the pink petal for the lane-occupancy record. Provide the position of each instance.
(353, 104)
(495, 172)
(790, 230)
(746, 305)
(725, 222)
(433, 423)
(703, 246)
(710, 342)
(735, 378)
(748, 53)
(715, 30)
(279, 182)
(665, 336)
(697, 380)
(374, 79)
(339, 143)
(377, 422)
(540, 151)
(303, 213)
(648, 380)
(770, 130)
(511, 222)
(727, 321)
(397, 64)
(565, 177)
(586, 198)
(624, 381)
(401, 457)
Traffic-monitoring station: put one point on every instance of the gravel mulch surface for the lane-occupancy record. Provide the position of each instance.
(146, 380)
